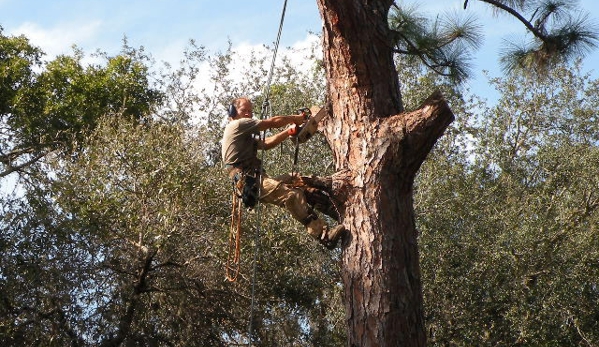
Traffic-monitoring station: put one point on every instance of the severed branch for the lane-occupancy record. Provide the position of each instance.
(424, 127)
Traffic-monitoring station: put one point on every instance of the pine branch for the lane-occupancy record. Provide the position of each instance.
(518, 16)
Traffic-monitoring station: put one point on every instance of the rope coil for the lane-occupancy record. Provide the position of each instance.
(234, 254)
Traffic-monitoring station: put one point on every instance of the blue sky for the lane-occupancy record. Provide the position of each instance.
(164, 27)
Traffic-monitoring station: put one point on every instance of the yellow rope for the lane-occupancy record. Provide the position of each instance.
(234, 254)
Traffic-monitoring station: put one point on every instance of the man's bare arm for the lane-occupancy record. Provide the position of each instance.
(274, 140)
(280, 121)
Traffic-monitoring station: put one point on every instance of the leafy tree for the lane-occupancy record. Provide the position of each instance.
(45, 111)
(132, 225)
(508, 219)
(555, 30)
(135, 196)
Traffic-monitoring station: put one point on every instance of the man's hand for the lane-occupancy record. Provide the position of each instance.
(293, 130)
(302, 116)
(298, 119)
(305, 112)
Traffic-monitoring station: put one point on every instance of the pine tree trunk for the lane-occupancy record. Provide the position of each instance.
(377, 149)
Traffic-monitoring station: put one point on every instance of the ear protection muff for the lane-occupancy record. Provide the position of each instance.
(232, 111)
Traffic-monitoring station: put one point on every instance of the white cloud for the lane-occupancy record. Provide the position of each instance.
(298, 54)
(171, 53)
(301, 49)
(59, 39)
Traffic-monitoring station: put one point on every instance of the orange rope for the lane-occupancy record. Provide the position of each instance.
(234, 254)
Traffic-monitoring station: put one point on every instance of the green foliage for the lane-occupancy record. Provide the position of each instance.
(121, 237)
(129, 253)
(444, 45)
(18, 59)
(509, 220)
(557, 32)
(48, 110)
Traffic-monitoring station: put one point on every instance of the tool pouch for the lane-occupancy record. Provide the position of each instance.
(246, 187)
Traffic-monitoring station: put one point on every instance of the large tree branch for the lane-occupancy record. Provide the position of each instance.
(518, 16)
(407, 139)
(423, 128)
(38, 151)
(29, 148)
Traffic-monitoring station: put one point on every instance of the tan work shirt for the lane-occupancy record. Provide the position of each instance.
(240, 143)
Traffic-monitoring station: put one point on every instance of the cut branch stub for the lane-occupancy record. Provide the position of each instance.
(424, 127)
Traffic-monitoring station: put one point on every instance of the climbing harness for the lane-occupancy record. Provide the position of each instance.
(245, 186)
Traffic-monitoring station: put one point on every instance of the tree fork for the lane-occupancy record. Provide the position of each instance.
(423, 127)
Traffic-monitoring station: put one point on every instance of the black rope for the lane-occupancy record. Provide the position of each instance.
(265, 110)
(274, 56)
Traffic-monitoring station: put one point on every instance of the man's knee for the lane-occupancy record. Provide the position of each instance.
(295, 200)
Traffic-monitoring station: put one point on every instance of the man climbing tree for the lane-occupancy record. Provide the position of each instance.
(378, 149)
(240, 146)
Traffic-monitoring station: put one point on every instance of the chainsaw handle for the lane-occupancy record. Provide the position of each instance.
(294, 130)
(306, 112)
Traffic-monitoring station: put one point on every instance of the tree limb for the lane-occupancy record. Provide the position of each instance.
(424, 127)
(139, 288)
(12, 169)
(518, 16)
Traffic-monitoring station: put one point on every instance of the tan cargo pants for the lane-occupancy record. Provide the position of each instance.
(277, 191)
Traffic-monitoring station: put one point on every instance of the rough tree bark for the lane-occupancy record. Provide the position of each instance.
(377, 151)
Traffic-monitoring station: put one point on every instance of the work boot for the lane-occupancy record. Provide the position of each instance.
(330, 238)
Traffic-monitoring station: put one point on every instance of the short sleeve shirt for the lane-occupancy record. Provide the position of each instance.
(239, 145)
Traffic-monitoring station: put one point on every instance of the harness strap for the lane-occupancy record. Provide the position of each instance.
(246, 185)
